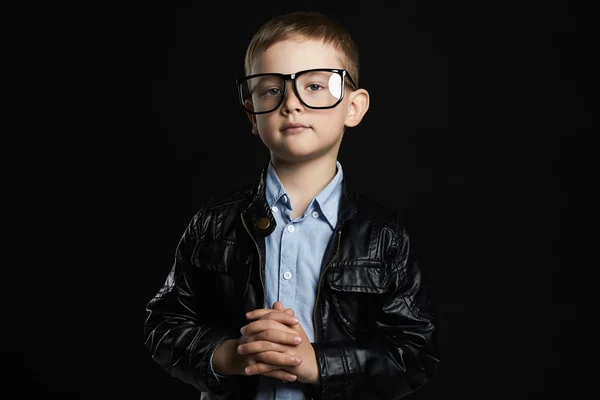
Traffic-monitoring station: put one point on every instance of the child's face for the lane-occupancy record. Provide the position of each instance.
(323, 129)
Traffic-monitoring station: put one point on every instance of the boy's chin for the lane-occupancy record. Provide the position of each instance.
(291, 158)
(295, 157)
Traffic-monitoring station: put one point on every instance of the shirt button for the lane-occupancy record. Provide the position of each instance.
(287, 275)
(284, 198)
(315, 214)
(291, 228)
(274, 208)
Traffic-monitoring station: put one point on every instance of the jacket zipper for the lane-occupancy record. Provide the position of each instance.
(260, 266)
(319, 284)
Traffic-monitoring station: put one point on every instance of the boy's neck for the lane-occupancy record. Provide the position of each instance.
(304, 180)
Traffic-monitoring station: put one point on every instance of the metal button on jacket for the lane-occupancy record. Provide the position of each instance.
(263, 223)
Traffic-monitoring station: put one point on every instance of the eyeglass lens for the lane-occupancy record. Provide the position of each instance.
(315, 88)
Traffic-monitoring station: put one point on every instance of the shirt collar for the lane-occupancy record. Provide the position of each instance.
(274, 189)
(328, 199)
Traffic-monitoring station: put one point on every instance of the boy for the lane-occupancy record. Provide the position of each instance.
(357, 323)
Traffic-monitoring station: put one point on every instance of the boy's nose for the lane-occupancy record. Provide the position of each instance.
(291, 102)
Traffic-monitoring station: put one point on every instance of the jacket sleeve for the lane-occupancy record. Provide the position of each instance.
(400, 356)
(175, 331)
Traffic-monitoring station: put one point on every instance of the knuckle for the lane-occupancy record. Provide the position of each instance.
(253, 326)
(265, 346)
(257, 368)
(262, 368)
(252, 348)
(262, 357)
(269, 335)
(274, 346)
(274, 358)
(269, 324)
(270, 315)
(266, 357)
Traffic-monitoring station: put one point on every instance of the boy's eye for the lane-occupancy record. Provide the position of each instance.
(269, 91)
(313, 87)
(273, 92)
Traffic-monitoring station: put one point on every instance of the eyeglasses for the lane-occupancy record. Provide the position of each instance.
(319, 88)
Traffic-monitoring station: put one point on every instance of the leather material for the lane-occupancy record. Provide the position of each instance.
(374, 326)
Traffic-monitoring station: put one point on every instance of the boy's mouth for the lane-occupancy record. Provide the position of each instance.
(293, 127)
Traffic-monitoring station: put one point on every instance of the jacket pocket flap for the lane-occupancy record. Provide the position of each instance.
(360, 277)
(213, 255)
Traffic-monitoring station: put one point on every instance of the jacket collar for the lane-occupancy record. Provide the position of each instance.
(259, 217)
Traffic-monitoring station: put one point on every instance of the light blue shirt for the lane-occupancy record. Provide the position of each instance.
(294, 253)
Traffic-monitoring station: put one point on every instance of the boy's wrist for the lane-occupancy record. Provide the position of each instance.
(226, 360)
(315, 379)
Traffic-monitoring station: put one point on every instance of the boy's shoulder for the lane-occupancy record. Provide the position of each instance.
(224, 202)
(229, 196)
(369, 208)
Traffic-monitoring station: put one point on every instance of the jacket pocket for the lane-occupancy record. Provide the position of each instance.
(221, 274)
(357, 290)
(216, 256)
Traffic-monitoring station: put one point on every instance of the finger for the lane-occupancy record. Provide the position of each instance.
(265, 368)
(282, 317)
(278, 306)
(279, 316)
(281, 374)
(259, 312)
(266, 324)
(274, 336)
(261, 368)
(276, 358)
(260, 346)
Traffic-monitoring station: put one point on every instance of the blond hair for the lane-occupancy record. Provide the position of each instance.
(310, 25)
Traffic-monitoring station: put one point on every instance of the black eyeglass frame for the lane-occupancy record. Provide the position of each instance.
(286, 77)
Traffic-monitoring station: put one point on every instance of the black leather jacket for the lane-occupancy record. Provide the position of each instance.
(374, 331)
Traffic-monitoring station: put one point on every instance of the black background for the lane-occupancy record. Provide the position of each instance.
(125, 119)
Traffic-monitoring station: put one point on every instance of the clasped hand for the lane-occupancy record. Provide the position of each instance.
(274, 344)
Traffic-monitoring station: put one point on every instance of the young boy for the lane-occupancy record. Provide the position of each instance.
(296, 286)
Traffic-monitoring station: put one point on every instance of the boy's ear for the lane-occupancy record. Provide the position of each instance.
(252, 119)
(358, 104)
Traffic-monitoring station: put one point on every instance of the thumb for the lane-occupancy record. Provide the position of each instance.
(278, 306)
